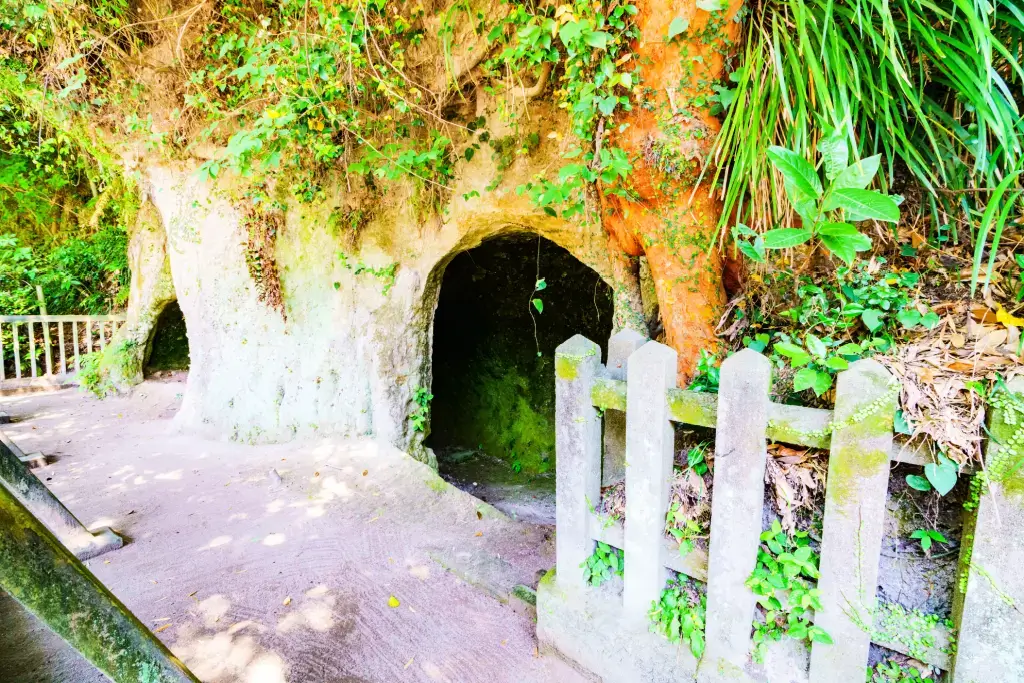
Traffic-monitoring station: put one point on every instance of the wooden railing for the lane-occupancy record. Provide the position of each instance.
(35, 345)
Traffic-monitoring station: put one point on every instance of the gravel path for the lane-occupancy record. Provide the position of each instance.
(251, 580)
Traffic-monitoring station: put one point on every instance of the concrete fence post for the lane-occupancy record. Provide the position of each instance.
(16, 477)
(43, 575)
(988, 608)
(578, 456)
(858, 479)
(737, 509)
(620, 347)
(649, 455)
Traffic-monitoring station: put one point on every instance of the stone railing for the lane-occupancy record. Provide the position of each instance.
(60, 340)
(637, 398)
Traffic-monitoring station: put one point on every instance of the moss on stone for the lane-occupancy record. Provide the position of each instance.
(694, 408)
(42, 575)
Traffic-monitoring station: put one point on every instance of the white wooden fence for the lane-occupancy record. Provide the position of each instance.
(45, 345)
(642, 385)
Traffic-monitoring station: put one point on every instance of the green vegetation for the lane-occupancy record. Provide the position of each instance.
(934, 87)
(891, 672)
(421, 398)
(912, 629)
(680, 612)
(783, 581)
(603, 564)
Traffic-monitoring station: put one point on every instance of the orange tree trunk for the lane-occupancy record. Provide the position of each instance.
(668, 218)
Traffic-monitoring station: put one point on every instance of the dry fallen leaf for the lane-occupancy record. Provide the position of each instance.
(162, 628)
(479, 533)
(409, 663)
(287, 601)
(365, 472)
(393, 602)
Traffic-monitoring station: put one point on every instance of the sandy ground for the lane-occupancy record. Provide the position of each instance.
(262, 582)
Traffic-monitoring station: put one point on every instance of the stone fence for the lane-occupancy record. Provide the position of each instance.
(637, 399)
(60, 339)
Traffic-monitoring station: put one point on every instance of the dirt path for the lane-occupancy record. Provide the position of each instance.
(265, 583)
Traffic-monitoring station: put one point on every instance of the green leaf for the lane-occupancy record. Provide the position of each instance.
(857, 175)
(784, 238)
(809, 378)
(909, 317)
(598, 39)
(541, 285)
(815, 345)
(900, 423)
(797, 171)
(797, 355)
(835, 152)
(942, 476)
(872, 319)
(916, 481)
(570, 31)
(864, 204)
(712, 5)
(678, 25)
(930, 320)
(837, 363)
(846, 247)
(539, 305)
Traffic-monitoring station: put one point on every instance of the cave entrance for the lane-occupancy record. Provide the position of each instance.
(493, 411)
(168, 355)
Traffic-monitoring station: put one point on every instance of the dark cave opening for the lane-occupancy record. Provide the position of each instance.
(492, 416)
(168, 351)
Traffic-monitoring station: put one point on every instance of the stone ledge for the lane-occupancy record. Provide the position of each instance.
(588, 629)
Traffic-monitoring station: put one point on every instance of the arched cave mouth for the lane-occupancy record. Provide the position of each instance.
(493, 411)
(168, 352)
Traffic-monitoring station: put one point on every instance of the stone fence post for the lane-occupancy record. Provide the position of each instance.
(578, 456)
(737, 509)
(620, 347)
(858, 480)
(649, 454)
(989, 606)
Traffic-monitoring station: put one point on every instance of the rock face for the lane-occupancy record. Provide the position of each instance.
(354, 339)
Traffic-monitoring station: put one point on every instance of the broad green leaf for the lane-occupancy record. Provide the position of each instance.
(942, 476)
(712, 5)
(835, 152)
(570, 31)
(930, 320)
(900, 423)
(538, 304)
(857, 175)
(837, 363)
(865, 204)
(809, 378)
(752, 250)
(845, 246)
(784, 238)
(797, 172)
(916, 481)
(909, 317)
(541, 285)
(598, 39)
(678, 25)
(815, 345)
(872, 318)
(796, 354)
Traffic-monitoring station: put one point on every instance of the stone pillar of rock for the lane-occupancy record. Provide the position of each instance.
(668, 139)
